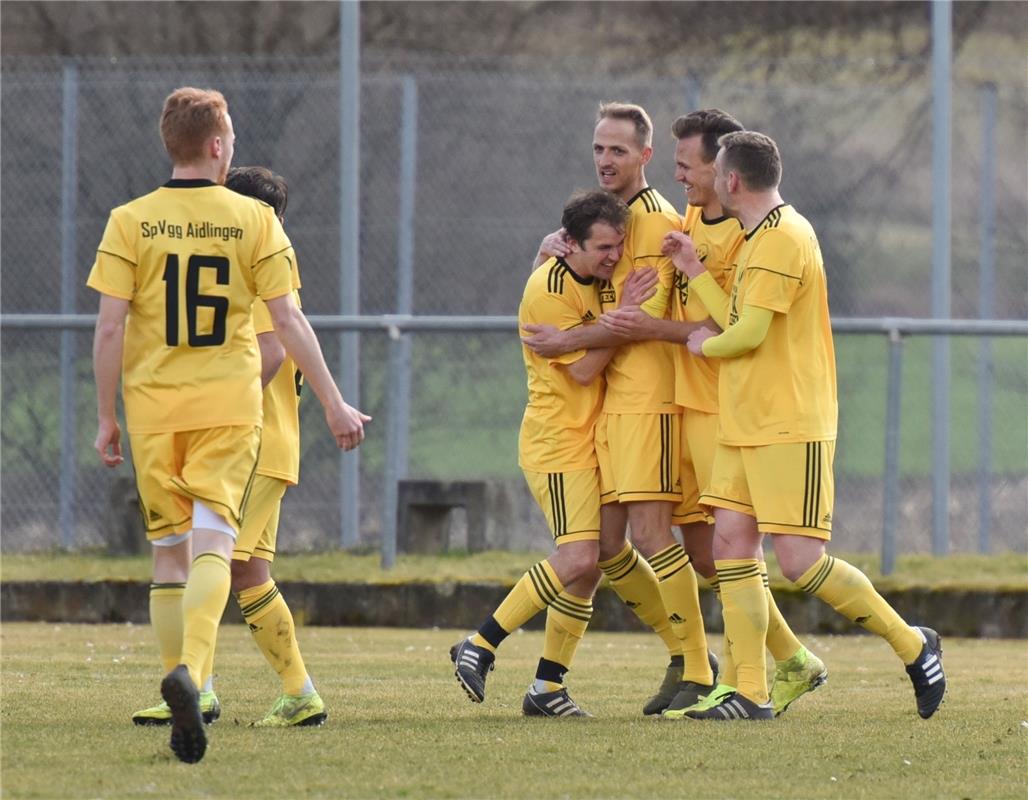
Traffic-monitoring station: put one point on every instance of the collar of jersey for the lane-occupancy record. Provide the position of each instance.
(188, 183)
(574, 275)
(750, 234)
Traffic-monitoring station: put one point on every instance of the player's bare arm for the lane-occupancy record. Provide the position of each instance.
(551, 342)
(590, 366)
(553, 244)
(272, 356)
(637, 325)
(108, 342)
(679, 248)
(295, 333)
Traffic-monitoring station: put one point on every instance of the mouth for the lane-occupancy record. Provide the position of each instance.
(607, 175)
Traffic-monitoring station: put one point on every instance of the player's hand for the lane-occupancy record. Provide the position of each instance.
(697, 338)
(108, 442)
(679, 248)
(555, 244)
(639, 287)
(546, 340)
(347, 425)
(628, 321)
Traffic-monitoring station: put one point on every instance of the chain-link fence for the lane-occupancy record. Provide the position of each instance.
(498, 149)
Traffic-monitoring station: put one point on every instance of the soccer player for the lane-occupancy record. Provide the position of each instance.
(178, 270)
(637, 438)
(557, 453)
(772, 471)
(716, 238)
(263, 606)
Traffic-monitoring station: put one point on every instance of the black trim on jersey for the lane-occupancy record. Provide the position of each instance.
(648, 201)
(776, 272)
(272, 255)
(555, 278)
(774, 224)
(189, 183)
(120, 258)
(574, 275)
(717, 220)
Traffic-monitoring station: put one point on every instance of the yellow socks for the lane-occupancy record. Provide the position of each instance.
(203, 603)
(566, 621)
(744, 602)
(271, 624)
(781, 641)
(680, 595)
(538, 588)
(726, 666)
(636, 584)
(848, 590)
(166, 621)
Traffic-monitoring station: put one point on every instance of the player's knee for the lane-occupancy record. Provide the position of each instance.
(794, 562)
(250, 573)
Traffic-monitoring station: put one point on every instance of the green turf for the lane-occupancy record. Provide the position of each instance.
(399, 726)
(971, 571)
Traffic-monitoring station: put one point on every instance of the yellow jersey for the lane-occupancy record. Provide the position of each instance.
(717, 242)
(641, 375)
(558, 428)
(190, 258)
(784, 390)
(280, 441)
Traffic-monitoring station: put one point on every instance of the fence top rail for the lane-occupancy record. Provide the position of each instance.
(395, 324)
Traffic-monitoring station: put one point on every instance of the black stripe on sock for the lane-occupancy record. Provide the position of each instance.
(550, 671)
(493, 632)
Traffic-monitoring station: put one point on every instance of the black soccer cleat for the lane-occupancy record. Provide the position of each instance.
(734, 707)
(471, 666)
(926, 674)
(667, 696)
(551, 704)
(188, 740)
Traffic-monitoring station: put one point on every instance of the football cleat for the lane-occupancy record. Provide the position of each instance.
(802, 673)
(305, 710)
(551, 704)
(717, 694)
(471, 666)
(673, 685)
(160, 714)
(733, 707)
(926, 674)
(188, 740)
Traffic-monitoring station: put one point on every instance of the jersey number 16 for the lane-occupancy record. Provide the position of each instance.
(195, 300)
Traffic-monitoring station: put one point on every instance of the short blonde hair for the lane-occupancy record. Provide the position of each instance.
(190, 118)
(635, 114)
(755, 157)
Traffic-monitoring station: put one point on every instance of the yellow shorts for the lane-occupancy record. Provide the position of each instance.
(213, 465)
(260, 520)
(788, 487)
(699, 440)
(570, 502)
(639, 457)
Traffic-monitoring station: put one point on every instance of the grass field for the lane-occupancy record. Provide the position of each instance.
(1007, 570)
(399, 726)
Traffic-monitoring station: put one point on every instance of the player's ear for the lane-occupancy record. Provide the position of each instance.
(647, 154)
(573, 245)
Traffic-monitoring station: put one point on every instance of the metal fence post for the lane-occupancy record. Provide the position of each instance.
(69, 198)
(986, 292)
(399, 342)
(349, 253)
(890, 499)
(942, 51)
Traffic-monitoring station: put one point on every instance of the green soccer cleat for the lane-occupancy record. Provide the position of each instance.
(733, 707)
(719, 693)
(307, 710)
(802, 673)
(160, 714)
